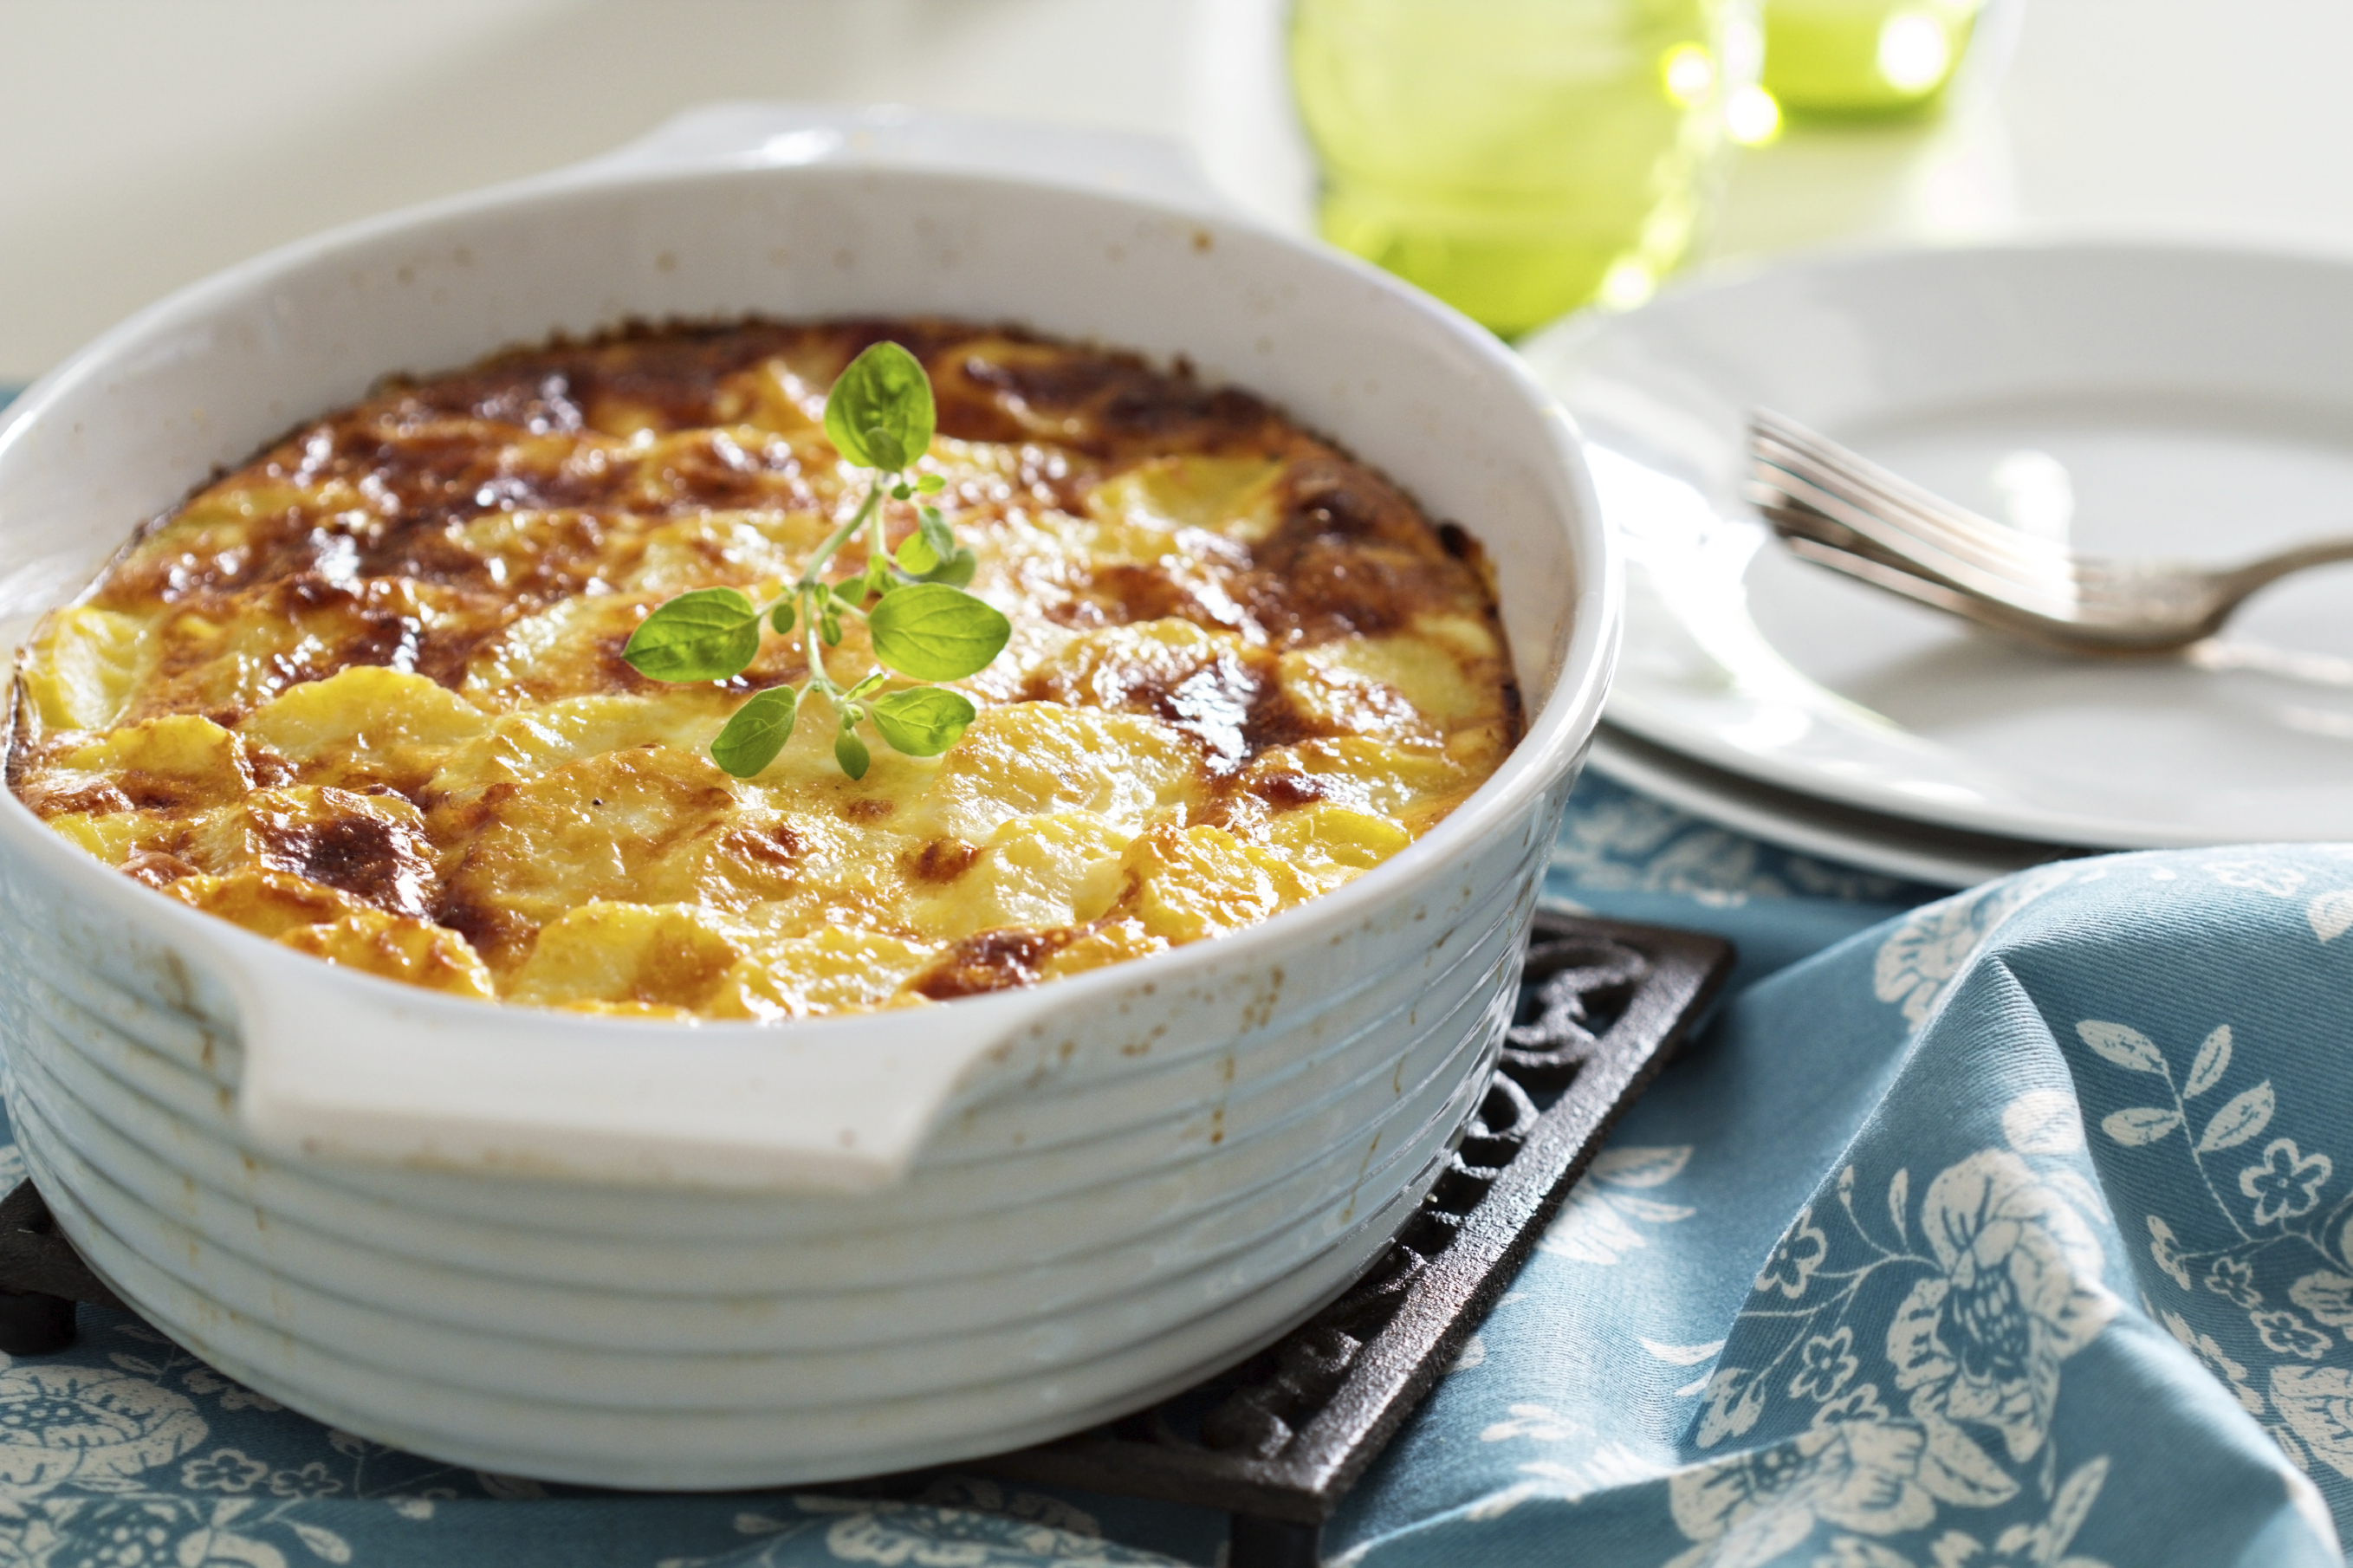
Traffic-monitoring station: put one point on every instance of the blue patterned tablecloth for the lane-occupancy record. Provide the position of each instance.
(2003, 1231)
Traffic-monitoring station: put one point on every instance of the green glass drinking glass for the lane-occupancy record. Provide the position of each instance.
(1520, 158)
(1864, 59)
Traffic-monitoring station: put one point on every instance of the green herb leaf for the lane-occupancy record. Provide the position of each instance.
(757, 732)
(931, 550)
(957, 569)
(850, 753)
(934, 632)
(879, 413)
(828, 628)
(923, 720)
(781, 617)
(935, 532)
(709, 633)
(930, 484)
(917, 555)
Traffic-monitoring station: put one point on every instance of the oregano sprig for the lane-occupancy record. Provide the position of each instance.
(921, 621)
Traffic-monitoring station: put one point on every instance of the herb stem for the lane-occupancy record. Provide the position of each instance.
(818, 680)
(842, 535)
(810, 593)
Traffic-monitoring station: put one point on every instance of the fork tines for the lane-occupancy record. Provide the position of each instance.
(1809, 488)
(1843, 511)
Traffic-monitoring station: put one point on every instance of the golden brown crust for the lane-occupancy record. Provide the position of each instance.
(365, 694)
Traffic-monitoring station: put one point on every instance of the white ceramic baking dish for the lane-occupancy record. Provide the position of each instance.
(724, 1255)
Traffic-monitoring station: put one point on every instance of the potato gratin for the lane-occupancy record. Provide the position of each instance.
(366, 696)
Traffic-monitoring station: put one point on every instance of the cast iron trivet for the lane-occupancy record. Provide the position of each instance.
(1278, 1441)
(41, 1277)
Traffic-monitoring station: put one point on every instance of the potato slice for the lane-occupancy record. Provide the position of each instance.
(1331, 844)
(836, 969)
(83, 670)
(165, 763)
(1059, 869)
(1412, 785)
(608, 828)
(367, 724)
(1031, 758)
(372, 846)
(666, 955)
(1235, 496)
(396, 947)
(269, 903)
(1197, 882)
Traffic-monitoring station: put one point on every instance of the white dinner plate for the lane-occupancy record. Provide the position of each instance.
(1919, 852)
(2129, 399)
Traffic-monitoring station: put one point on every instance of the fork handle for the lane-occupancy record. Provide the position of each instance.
(2264, 570)
(2025, 628)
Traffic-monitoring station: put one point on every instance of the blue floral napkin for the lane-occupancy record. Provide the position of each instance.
(2008, 1229)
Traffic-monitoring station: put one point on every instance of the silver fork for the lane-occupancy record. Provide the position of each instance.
(1843, 511)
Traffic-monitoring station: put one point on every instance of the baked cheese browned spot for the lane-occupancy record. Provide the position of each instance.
(366, 696)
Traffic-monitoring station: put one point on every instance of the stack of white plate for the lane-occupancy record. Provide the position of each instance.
(2127, 400)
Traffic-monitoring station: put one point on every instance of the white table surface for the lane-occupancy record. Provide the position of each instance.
(149, 142)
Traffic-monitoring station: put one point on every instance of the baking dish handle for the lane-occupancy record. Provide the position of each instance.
(343, 1065)
(769, 134)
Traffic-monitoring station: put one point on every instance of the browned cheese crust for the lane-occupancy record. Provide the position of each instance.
(366, 694)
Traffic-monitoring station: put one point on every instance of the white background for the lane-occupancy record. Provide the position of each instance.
(146, 142)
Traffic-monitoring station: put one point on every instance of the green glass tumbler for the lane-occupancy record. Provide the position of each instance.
(1864, 59)
(1517, 158)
